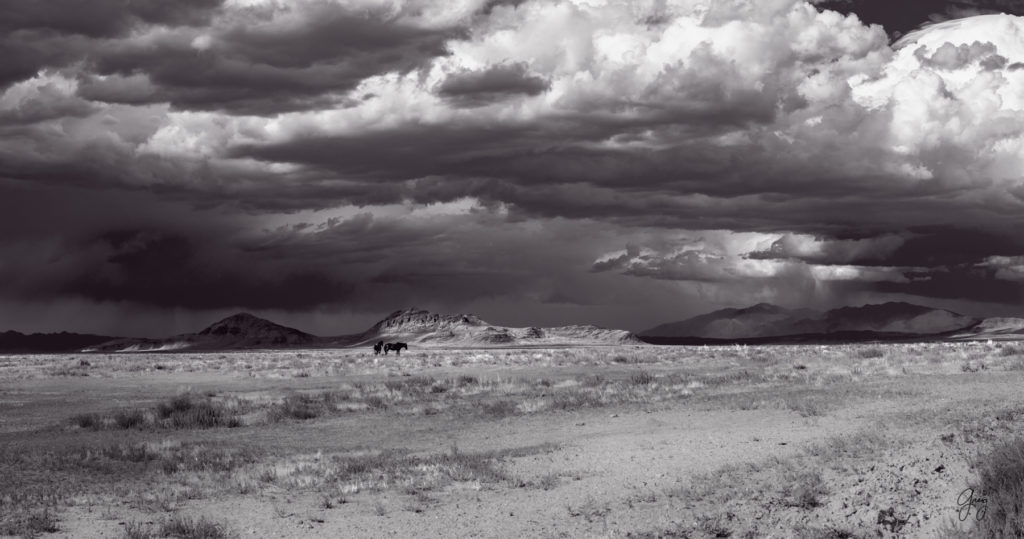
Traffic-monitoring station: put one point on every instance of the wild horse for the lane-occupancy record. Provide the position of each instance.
(396, 346)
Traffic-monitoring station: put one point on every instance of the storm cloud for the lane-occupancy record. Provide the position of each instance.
(534, 161)
(477, 88)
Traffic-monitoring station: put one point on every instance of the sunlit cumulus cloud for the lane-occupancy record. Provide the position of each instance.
(1010, 268)
(727, 258)
(353, 157)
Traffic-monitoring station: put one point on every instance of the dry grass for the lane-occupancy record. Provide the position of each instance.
(782, 487)
(808, 401)
(181, 412)
(999, 492)
(804, 489)
(779, 482)
(870, 353)
(155, 475)
(178, 526)
(301, 407)
(31, 523)
(494, 398)
(704, 371)
(393, 469)
(771, 360)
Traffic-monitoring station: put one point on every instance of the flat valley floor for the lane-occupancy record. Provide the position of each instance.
(872, 440)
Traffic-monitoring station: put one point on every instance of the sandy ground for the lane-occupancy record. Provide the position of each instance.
(618, 471)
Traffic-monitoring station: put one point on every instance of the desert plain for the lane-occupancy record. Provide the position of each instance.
(633, 441)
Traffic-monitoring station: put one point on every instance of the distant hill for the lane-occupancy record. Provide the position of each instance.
(895, 317)
(416, 321)
(239, 331)
(244, 330)
(761, 320)
(994, 329)
(423, 327)
(13, 342)
(766, 323)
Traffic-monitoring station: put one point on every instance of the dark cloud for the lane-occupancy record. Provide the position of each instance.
(263, 61)
(865, 251)
(327, 33)
(562, 170)
(512, 163)
(928, 249)
(60, 242)
(162, 270)
(491, 5)
(55, 34)
(27, 53)
(503, 81)
(173, 256)
(311, 59)
(102, 18)
(964, 282)
(945, 246)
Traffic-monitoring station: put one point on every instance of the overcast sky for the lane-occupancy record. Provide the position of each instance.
(536, 162)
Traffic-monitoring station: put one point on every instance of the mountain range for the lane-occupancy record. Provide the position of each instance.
(413, 326)
(766, 322)
(16, 342)
(761, 323)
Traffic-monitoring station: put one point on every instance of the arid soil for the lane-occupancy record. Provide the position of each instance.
(854, 441)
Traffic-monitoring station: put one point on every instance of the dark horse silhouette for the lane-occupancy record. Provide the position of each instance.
(396, 346)
(378, 347)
